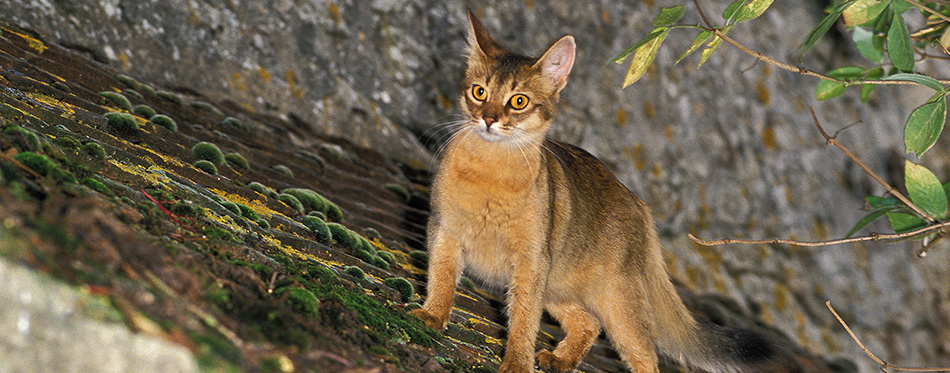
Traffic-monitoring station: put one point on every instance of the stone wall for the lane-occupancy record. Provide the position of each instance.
(726, 150)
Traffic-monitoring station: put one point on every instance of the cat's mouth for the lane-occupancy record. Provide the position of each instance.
(493, 132)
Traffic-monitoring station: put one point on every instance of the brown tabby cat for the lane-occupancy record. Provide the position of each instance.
(548, 221)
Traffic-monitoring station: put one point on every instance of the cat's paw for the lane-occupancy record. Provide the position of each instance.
(433, 321)
(548, 361)
(509, 367)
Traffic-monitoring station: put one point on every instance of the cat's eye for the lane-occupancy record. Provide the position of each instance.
(479, 92)
(518, 102)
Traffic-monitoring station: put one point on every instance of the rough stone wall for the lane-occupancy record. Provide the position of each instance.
(726, 150)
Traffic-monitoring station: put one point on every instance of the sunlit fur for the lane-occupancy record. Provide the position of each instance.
(549, 223)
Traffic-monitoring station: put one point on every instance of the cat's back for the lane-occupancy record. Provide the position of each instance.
(585, 171)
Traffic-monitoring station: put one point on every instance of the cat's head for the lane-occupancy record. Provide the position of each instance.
(509, 97)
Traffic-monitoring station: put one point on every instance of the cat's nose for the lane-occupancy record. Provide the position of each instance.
(489, 121)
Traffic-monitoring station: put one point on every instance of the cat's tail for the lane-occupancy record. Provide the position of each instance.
(714, 348)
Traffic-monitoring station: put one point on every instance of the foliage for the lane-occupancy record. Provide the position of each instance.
(878, 30)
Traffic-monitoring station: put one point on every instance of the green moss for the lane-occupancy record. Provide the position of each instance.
(263, 189)
(170, 96)
(344, 236)
(262, 223)
(29, 138)
(144, 111)
(123, 124)
(231, 206)
(365, 244)
(128, 81)
(118, 99)
(67, 142)
(321, 274)
(209, 152)
(365, 256)
(291, 202)
(237, 160)
(94, 149)
(217, 295)
(206, 166)
(318, 214)
(334, 150)
(420, 258)
(96, 185)
(284, 170)
(216, 233)
(311, 200)
(304, 301)
(184, 208)
(319, 229)
(133, 94)
(36, 162)
(355, 272)
(400, 190)
(164, 121)
(387, 256)
(401, 285)
(370, 232)
(205, 106)
(247, 212)
(233, 122)
(333, 212)
(316, 158)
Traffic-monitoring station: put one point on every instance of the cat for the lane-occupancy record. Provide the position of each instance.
(549, 222)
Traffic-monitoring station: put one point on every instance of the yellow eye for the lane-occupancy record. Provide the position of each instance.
(518, 102)
(479, 93)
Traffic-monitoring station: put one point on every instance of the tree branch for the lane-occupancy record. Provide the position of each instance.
(884, 365)
(928, 10)
(871, 237)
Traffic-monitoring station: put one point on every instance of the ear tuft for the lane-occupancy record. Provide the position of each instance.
(557, 61)
(478, 38)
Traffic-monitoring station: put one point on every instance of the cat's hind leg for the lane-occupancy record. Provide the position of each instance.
(581, 328)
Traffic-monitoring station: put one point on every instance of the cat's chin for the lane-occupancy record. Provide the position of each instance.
(490, 135)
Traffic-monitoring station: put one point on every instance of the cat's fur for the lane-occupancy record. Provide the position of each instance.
(550, 223)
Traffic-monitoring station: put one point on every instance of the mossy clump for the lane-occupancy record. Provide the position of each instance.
(400, 190)
(355, 272)
(236, 160)
(291, 202)
(387, 256)
(39, 163)
(231, 206)
(263, 189)
(122, 123)
(344, 236)
(313, 201)
(209, 152)
(319, 229)
(164, 121)
(170, 96)
(144, 111)
(216, 233)
(263, 223)
(304, 301)
(284, 170)
(205, 106)
(318, 214)
(248, 213)
(233, 122)
(30, 140)
(183, 208)
(420, 258)
(401, 285)
(132, 93)
(67, 142)
(316, 158)
(206, 166)
(96, 185)
(94, 149)
(118, 99)
(127, 80)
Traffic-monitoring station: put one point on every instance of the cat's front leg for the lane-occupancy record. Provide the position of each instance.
(524, 314)
(445, 267)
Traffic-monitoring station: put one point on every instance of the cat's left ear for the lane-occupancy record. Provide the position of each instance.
(557, 61)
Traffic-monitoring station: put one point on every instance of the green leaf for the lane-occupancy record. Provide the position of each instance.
(870, 218)
(879, 202)
(668, 16)
(701, 38)
(866, 89)
(653, 35)
(900, 6)
(863, 11)
(899, 46)
(925, 190)
(828, 89)
(731, 10)
(902, 222)
(752, 10)
(643, 56)
(921, 79)
(945, 39)
(710, 48)
(823, 26)
(864, 39)
(924, 125)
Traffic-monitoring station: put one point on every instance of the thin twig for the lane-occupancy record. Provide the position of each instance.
(884, 364)
(871, 237)
(928, 10)
(890, 189)
(170, 215)
(702, 14)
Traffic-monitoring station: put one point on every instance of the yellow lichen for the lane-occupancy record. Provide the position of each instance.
(34, 43)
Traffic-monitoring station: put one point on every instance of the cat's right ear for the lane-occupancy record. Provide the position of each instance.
(479, 41)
